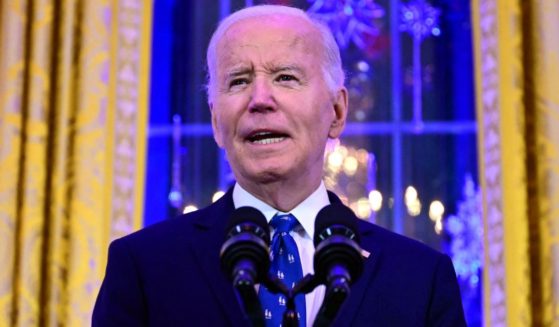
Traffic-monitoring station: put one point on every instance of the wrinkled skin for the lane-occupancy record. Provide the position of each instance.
(273, 111)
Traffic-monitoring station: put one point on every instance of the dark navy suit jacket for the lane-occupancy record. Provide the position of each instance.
(169, 274)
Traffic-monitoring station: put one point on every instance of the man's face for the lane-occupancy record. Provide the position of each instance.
(272, 111)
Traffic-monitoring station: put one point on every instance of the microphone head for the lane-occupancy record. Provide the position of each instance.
(247, 239)
(336, 240)
(335, 218)
(248, 219)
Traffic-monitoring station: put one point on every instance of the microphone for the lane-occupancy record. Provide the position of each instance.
(245, 257)
(337, 259)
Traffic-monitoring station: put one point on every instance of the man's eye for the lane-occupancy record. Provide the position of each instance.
(286, 78)
(238, 81)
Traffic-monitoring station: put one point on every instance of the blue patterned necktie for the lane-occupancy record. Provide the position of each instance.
(286, 265)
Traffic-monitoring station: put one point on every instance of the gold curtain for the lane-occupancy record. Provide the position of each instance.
(517, 86)
(73, 103)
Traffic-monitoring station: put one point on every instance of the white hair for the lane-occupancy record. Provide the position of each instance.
(331, 60)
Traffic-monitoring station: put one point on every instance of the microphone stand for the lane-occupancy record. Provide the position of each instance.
(251, 304)
(303, 286)
(337, 291)
(275, 286)
(244, 284)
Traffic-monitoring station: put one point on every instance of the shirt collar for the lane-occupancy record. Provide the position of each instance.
(305, 212)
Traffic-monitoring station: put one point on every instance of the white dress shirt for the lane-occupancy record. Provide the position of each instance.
(305, 213)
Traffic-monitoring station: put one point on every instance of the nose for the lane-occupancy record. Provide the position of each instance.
(262, 97)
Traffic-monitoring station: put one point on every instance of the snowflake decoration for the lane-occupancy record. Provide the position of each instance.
(420, 19)
(349, 20)
(466, 230)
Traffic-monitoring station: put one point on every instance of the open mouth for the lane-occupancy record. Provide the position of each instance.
(266, 137)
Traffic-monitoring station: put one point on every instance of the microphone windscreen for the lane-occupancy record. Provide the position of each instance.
(249, 215)
(245, 249)
(335, 214)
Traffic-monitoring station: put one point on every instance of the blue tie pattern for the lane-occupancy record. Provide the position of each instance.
(286, 265)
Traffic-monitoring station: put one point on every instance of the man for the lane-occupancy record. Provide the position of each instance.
(276, 94)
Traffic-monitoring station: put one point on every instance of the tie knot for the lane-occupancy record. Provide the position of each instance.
(284, 223)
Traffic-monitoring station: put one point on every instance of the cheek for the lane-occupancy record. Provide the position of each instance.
(225, 133)
(324, 119)
(222, 130)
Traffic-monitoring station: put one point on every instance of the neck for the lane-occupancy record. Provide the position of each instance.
(282, 195)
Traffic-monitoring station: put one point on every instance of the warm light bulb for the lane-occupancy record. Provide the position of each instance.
(362, 156)
(335, 160)
(363, 208)
(217, 195)
(411, 194)
(342, 150)
(350, 165)
(436, 210)
(189, 208)
(375, 200)
(414, 208)
(439, 226)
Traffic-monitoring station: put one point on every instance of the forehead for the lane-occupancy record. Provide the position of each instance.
(272, 37)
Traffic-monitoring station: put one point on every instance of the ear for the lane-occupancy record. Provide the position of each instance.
(340, 111)
(218, 136)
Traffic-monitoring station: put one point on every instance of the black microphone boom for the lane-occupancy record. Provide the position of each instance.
(337, 259)
(245, 257)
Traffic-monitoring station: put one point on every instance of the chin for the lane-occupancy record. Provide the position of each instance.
(265, 176)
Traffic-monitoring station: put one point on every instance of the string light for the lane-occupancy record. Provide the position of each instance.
(375, 200)
(363, 208)
(411, 194)
(412, 202)
(217, 195)
(350, 165)
(348, 172)
(363, 156)
(414, 208)
(439, 226)
(335, 160)
(436, 210)
(189, 208)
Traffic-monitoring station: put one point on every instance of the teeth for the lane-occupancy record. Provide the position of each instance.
(270, 140)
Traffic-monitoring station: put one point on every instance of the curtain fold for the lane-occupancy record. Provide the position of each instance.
(517, 86)
(73, 114)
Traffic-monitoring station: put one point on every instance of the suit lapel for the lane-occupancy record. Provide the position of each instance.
(206, 245)
(351, 306)
(210, 234)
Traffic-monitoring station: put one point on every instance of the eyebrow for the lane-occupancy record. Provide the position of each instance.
(283, 68)
(238, 71)
(272, 68)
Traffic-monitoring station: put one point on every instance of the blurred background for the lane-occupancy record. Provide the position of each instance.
(105, 128)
